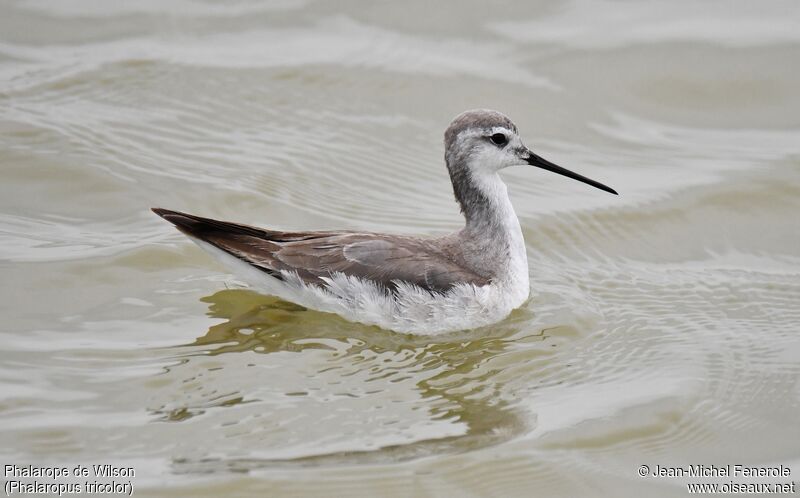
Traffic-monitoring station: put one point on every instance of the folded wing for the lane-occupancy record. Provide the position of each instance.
(383, 259)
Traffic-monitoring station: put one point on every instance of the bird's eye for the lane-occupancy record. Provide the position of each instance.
(498, 139)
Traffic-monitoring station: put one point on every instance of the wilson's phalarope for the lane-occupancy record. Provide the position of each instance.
(466, 279)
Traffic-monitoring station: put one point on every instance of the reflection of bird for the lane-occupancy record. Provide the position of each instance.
(466, 279)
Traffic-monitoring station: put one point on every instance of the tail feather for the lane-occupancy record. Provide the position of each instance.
(232, 238)
(198, 226)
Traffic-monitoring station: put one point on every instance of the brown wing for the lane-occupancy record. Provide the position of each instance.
(383, 259)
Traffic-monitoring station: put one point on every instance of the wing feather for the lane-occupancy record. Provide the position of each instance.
(384, 259)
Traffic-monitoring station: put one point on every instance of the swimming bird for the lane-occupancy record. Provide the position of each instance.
(467, 279)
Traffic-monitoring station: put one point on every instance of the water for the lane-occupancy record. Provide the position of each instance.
(663, 327)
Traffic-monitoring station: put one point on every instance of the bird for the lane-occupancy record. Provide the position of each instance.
(467, 279)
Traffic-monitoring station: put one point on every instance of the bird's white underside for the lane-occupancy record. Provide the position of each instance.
(410, 310)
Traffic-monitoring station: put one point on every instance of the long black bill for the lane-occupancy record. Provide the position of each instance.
(539, 162)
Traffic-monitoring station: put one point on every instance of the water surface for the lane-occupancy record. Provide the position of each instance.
(663, 323)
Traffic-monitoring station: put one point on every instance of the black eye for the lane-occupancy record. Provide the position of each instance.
(498, 139)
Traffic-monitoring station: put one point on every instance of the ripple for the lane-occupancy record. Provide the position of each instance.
(589, 25)
(336, 40)
(57, 239)
(422, 398)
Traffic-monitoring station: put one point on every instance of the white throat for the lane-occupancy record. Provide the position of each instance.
(497, 224)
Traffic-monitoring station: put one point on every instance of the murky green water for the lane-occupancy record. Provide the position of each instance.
(664, 326)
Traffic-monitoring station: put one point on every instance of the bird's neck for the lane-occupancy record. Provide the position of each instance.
(491, 226)
(483, 198)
